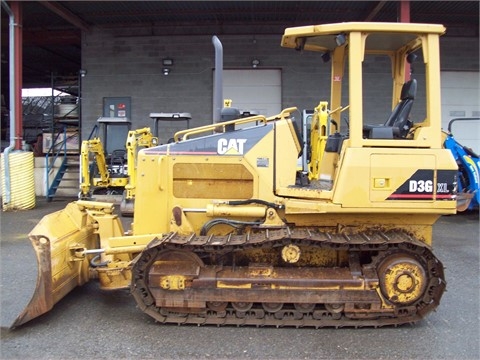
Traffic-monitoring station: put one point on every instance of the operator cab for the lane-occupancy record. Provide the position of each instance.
(362, 112)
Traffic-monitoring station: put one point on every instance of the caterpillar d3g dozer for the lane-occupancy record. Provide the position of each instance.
(226, 231)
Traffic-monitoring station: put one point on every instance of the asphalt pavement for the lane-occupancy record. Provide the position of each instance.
(92, 324)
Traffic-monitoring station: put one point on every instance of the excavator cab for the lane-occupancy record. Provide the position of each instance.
(112, 133)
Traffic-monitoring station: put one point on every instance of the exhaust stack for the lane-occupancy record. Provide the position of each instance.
(218, 81)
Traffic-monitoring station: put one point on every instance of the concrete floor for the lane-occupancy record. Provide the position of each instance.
(89, 323)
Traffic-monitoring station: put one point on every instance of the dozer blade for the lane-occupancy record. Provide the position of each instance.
(56, 239)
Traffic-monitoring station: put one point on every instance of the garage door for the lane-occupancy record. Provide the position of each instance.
(257, 90)
(460, 99)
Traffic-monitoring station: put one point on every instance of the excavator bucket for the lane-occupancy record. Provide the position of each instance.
(58, 239)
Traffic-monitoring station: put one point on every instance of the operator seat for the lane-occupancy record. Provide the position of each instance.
(398, 124)
(117, 161)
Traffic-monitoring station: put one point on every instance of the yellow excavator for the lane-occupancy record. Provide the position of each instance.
(227, 231)
(119, 173)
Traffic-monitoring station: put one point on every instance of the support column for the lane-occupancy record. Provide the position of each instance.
(16, 7)
(404, 16)
(404, 11)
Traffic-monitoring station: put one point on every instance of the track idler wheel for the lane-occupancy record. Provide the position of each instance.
(403, 279)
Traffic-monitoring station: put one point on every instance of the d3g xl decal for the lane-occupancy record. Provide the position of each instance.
(422, 186)
(446, 185)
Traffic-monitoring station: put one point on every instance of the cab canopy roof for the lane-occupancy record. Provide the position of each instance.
(383, 37)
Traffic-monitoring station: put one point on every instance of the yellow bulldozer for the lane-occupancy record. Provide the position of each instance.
(228, 231)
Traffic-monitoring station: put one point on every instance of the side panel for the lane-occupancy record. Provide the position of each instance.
(203, 179)
(388, 171)
(411, 179)
(151, 199)
(194, 173)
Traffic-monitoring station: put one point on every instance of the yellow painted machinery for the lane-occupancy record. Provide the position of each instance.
(103, 178)
(120, 173)
(140, 138)
(226, 231)
(103, 169)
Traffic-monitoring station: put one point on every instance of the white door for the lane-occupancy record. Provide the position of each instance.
(460, 99)
(256, 90)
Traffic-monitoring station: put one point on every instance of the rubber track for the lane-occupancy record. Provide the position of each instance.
(384, 242)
